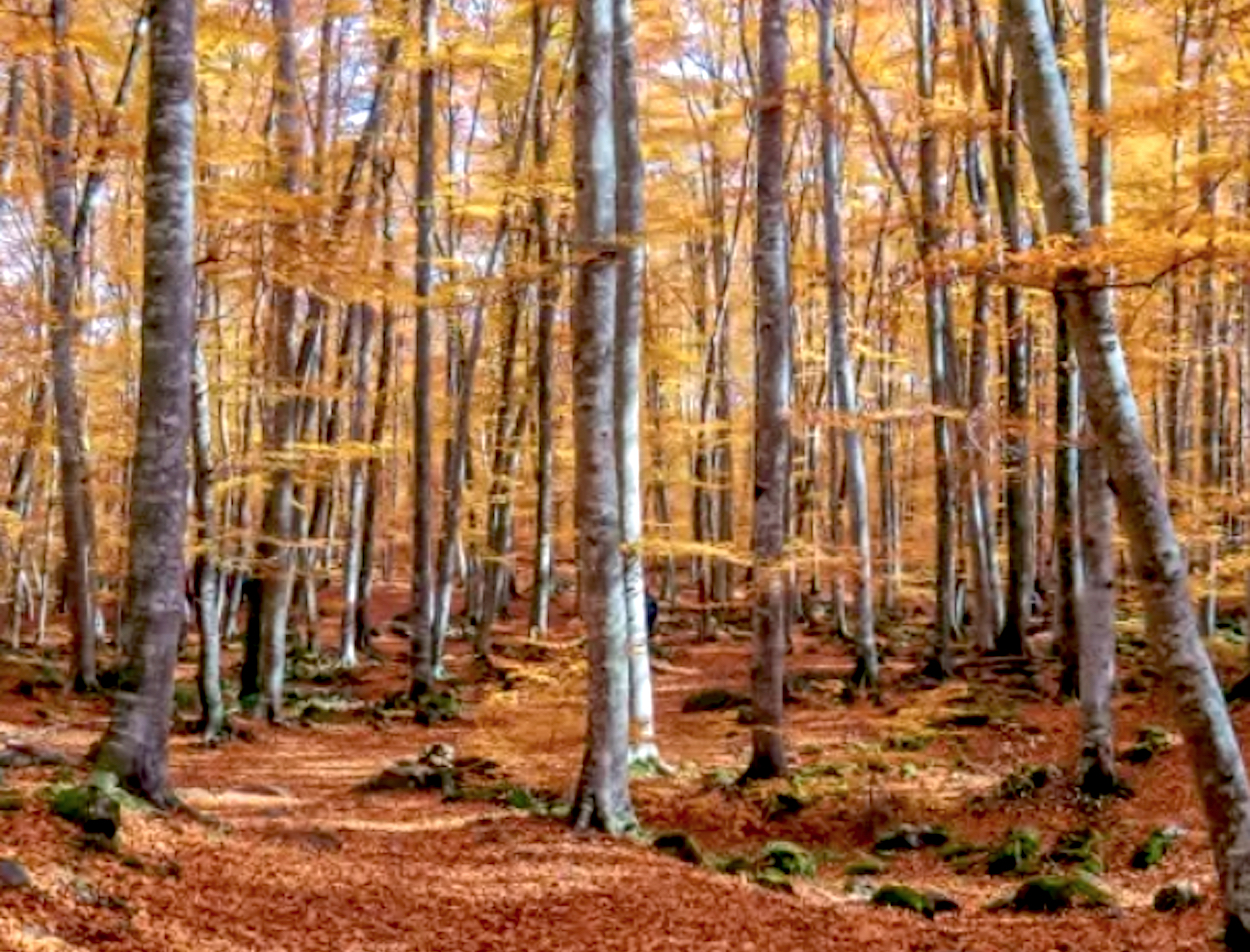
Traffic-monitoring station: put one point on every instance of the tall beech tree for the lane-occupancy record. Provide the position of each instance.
(773, 367)
(1158, 559)
(602, 799)
(134, 747)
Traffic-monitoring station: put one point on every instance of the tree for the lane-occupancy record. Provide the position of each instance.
(630, 255)
(840, 376)
(134, 747)
(773, 365)
(1096, 610)
(602, 799)
(1158, 560)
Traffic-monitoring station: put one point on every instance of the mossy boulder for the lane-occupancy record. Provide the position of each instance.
(1026, 780)
(927, 903)
(1050, 894)
(788, 858)
(865, 867)
(11, 801)
(1156, 846)
(1016, 854)
(1077, 848)
(908, 837)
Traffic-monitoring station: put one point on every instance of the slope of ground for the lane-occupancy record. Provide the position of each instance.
(305, 861)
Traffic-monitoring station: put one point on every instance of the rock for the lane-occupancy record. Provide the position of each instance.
(899, 896)
(680, 845)
(433, 769)
(908, 837)
(1156, 846)
(1054, 894)
(865, 867)
(1177, 897)
(789, 859)
(13, 874)
(1016, 854)
(714, 699)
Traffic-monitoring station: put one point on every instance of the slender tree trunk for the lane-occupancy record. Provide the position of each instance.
(76, 520)
(424, 658)
(840, 387)
(548, 300)
(1158, 560)
(276, 553)
(1096, 615)
(134, 747)
(630, 255)
(602, 799)
(362, 359)
(207, 565)
(932, 243)
(774, 364)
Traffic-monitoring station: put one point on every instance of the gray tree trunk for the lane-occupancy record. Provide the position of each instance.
(1158, 560)
(841, 393)
(1096, 615)
(773, 374)
(548, 301)
(602, 799)
(76, 519)
(932, 241)
(207, 566)
(134, 747)
(277, 556)
(630, 258)
(423, 653)
(362, 363)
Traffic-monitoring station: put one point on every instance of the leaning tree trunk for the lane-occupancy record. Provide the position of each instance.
(134, 747)
(772, 403)
(1158, 560)
(840, 388)
(602, 799)
(629, 266)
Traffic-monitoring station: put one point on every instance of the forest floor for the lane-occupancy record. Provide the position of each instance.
(304, 860)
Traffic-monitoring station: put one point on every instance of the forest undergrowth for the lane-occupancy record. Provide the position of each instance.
(922, 822)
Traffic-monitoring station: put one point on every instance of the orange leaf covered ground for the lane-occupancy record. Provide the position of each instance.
(309, 863)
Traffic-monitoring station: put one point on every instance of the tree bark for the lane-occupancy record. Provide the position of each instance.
(423, 653)
(774, 364)
(602, 800)
(841, 396)
(1158, 560)
(134, 747)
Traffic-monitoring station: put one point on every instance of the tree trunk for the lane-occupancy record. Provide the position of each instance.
(936, 317)
(278, 558)
(207, 565)
(423, 651)
(1158, 560)
(134, 747)
(774, 363)
(602, 799)
(630, 259)
(1096, 616)
(841, 396)
(76, 519)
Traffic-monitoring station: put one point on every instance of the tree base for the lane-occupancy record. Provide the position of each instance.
(1236, 935)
